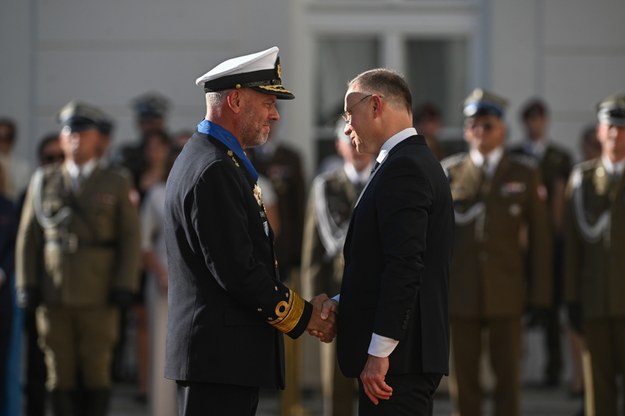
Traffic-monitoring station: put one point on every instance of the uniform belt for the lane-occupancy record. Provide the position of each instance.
(71, 243)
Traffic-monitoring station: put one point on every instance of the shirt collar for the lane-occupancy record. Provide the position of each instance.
(492, 158)
(354, 176)
(86, 169)
(393, 141)
(536, 147)
(612, 168)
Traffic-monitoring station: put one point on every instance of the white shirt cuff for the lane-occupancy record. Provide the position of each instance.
(381, 346)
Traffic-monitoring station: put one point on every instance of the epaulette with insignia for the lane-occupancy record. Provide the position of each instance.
(586, 165)
(525, 160)
(453, 160)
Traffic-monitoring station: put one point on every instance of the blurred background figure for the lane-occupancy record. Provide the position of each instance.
(16, 170)
(595, 243)
(150, 113)
(180, 138)
(330, 203)
(428, 122)
(8, 375)
(554, 164)
(161, 392)
(49, 152)
(145, 165)
(496, 197)
(589, 145)
(77, 262)
(282, 166)
(153, 168)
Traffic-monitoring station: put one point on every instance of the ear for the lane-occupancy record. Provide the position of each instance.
(234, 99)
(378, 105)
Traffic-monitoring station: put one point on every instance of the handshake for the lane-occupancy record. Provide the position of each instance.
(322, 322)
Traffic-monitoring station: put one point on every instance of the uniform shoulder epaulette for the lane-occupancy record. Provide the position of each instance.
(586, 165)
(453, 160)
(524, 160)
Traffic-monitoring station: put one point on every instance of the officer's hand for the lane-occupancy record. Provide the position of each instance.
(574, 312)
(121, 298)
(322, 322)
(28, 298)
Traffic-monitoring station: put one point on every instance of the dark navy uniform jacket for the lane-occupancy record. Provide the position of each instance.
(227, 306)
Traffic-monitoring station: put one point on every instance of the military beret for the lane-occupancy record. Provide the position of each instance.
(150, 105)
(612, 110)
(79, 116)
(260, 71)
(481, 102)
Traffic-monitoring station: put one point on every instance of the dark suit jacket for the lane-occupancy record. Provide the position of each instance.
(224, 291)
(397, 258)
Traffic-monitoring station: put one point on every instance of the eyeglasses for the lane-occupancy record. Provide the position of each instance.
(347, 114)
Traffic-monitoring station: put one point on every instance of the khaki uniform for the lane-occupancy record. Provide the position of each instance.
(555, 167)
(491, 280)
(76, 246)
(332, 199)
(594, 276)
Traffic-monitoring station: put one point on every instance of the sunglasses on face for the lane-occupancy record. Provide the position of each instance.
(53, 158)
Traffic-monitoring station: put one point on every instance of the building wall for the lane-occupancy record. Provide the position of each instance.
(570, 52)
(106, 53)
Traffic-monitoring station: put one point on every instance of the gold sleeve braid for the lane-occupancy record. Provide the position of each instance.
(288, 313)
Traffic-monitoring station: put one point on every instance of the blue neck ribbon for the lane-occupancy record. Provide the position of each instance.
(225, 137)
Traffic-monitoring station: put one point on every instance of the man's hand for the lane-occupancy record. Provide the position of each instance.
(372, 378)
(322, 322)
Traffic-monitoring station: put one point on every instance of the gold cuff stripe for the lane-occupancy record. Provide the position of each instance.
(290, 313)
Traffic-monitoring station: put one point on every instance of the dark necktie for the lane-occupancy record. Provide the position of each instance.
(375, 167)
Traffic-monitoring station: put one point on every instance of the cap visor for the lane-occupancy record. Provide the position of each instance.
(279, 91)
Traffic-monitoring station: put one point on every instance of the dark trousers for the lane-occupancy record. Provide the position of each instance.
(205, 399)
(35, 391)
(413, 395)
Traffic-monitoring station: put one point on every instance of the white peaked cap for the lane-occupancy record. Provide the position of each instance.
(260, 71)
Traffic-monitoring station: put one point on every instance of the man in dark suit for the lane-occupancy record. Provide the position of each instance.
(332, 198)
(393, 328)
(228, 307)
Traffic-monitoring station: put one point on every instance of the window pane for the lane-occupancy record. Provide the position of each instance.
(436, 70)
(339, 59)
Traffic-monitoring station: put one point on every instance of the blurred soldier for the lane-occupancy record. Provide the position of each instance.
(77, 261)
(16, 170)
(150, 114)
(595, 243)
(427, 121)
(283, 167)
(332, 198)
(555, 166)
(8, 227)
(496, 196)
(150, 111)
